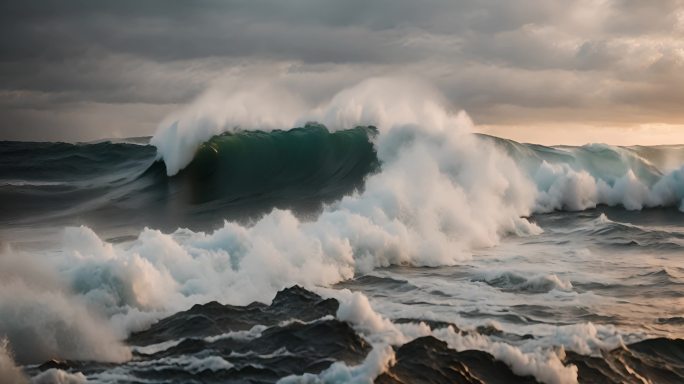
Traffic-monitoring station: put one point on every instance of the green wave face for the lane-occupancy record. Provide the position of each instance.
(300, 163)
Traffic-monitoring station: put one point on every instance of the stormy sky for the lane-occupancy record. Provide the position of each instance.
(534, 70)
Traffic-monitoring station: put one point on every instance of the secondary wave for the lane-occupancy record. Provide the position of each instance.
(579, 178)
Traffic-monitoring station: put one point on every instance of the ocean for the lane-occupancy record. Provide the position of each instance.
(420, 253)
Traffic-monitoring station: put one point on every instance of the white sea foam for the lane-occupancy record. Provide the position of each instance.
(42, 318)
(156, 348)
(544, 364)
(250, 334)
(561, 187)
(192, 364)
(377, 362)
(10, 373)
(58, 376)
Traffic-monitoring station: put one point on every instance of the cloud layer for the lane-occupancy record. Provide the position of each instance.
(78, 70)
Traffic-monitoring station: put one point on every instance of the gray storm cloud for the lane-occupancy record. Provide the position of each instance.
(79, 70)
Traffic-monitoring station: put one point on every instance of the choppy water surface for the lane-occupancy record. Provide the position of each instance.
(394, 256)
